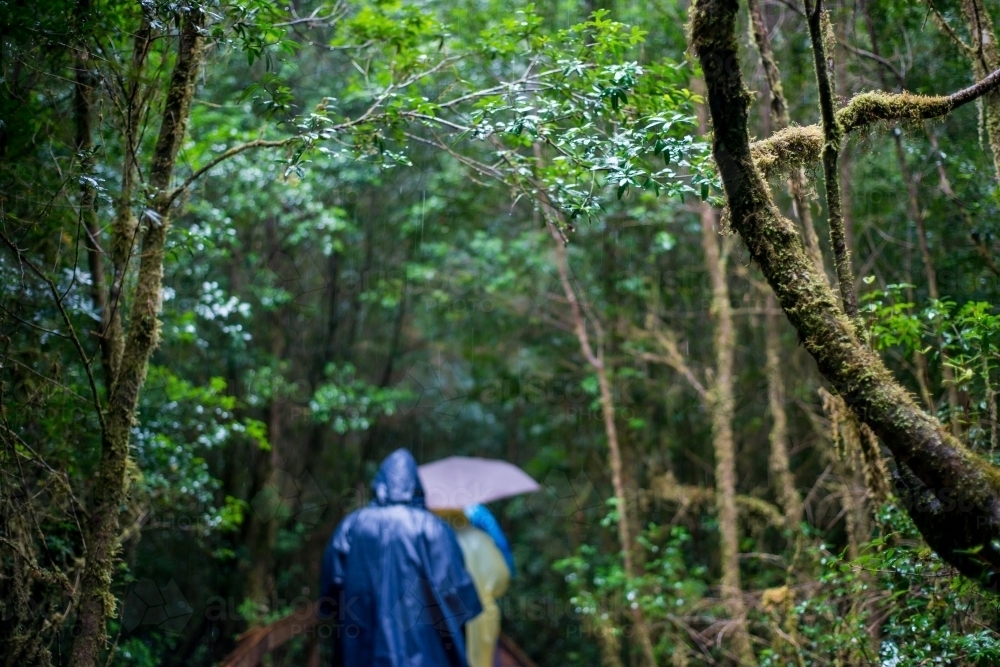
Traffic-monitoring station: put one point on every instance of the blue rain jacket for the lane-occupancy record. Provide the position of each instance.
(394, 581)
(483, 519)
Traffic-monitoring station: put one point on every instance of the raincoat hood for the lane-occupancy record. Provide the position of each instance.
(397, 482)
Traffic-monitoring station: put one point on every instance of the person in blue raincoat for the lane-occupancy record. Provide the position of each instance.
(394, 581)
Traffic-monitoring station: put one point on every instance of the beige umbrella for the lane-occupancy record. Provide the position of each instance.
(456, 482)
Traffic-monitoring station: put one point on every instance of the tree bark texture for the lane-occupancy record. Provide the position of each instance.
(96, 603)
(956, 501)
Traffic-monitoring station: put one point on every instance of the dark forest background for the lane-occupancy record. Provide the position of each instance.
(392, 222)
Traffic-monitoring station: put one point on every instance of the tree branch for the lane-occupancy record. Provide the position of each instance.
(885, 62)
(948, 30)
(671, 356)
(984, 251)
(99, 409)
(222, 157)
(832, 140)
(803, 146)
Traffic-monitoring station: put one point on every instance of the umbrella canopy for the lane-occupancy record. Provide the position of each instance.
(459, 481)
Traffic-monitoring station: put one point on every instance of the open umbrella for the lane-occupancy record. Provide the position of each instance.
(459, 481)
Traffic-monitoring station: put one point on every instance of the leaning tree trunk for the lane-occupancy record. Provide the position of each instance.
(96, 602)
(959, 492)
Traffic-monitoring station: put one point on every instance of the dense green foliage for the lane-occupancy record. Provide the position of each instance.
(379, 272)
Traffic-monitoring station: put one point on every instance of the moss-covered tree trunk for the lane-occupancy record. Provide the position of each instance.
(96, 602)
(957, 502)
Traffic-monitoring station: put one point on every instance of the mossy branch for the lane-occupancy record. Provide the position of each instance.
(963, 525)
(789, 149)
(803, 146)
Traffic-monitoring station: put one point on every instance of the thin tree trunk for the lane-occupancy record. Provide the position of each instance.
(833, 138)
(371, 436)
(991, 400)
(84, 112)
(947, 475)
(791, 501)
(270, 480)
(984, 56)
(96, 602)
(721, 405)
(846, 160)
(596, 361)
(263, 529)
(124, 228)
(846, 155)
(797, 183)
(919, 360)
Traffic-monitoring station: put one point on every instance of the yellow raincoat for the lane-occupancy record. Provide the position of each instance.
(491, 576)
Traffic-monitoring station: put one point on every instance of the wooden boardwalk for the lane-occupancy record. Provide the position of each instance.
(254, 644)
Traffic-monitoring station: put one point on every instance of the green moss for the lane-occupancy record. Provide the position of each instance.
(785, 150)
(991, 105)
(866, 109)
